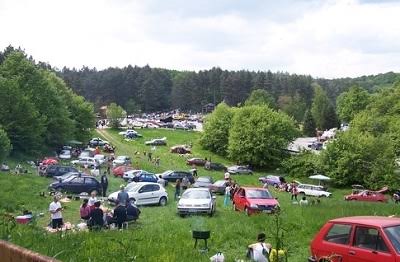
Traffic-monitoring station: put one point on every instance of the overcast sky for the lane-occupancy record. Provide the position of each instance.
(321, 38)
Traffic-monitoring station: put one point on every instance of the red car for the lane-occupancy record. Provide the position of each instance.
(368, 195)
(119, 170)
(254, 200)
(49, 161)
(358, 239)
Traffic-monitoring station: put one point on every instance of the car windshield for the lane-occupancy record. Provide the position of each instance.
(393, 234)
(220, 183)
(166, 173)
(203, 179)
(259, 194)
(196, 195)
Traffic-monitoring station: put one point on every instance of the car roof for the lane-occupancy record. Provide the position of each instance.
(146, 183)
(197, 189)
(253, 188)
(377, 221)
(310, 185)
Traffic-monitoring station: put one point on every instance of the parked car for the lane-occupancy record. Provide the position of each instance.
(254, 200)
(181, 149)
(101, 159)
(368, 195)
(218, 187)
(139, 176)
(122, 160)
(143, 193)
(65, 154)
(157, 142)
(167, 125)
(172, 176)
(68, 175)
(275, 181)
(56, 170)
(196, 201)
(86, 161)
(313, 190)
(238, 170)
(49, 161)
(215, 166)
(129, 131)
(203, 181)
(97, 141)
(151, 125)
(88, 152)
(358, 239)
(196, 161)
(120, 170)
(77, 185)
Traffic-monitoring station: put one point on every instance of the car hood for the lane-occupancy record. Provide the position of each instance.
(194, 201)
(260, 201)
(202, 184)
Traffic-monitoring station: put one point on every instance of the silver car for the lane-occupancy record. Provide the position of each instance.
(197, 201)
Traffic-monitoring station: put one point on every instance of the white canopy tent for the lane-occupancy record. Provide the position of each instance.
(320, 178)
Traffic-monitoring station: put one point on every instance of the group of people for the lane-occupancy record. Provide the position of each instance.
(95, 215)
(181, 186)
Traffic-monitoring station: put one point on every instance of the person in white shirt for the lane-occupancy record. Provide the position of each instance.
(304, 201)
(260, 249)
(56, 215)
(92, 200)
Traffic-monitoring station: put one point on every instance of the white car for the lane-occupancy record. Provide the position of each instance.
(197, 201)
(85, 161)
(128, 131)
(121, 160)
(65, 154)
(151, 125)
(313, 190)
(143, 193)
(101, 159)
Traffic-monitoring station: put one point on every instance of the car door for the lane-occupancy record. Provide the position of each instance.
(75, 185)
(145, 195)
(337, 241)
(369, 246)
(90, 185)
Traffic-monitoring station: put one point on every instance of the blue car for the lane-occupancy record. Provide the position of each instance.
(77, 185)
(139, 176)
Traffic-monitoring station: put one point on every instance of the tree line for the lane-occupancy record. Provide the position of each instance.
(38, 111)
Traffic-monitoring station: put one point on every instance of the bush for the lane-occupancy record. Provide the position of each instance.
(5, 145)
(304, 164)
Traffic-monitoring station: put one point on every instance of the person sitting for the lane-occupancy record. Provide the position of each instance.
(96, 217)
(92, 200)
(132, 212)
(85, 210)
(303, 201)
(119, 215)
(260, 250)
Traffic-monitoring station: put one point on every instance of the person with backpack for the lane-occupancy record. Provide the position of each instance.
(259, 252)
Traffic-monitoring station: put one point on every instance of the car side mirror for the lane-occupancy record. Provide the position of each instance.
(214, 197)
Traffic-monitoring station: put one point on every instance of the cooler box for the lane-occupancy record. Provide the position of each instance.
(23, 219)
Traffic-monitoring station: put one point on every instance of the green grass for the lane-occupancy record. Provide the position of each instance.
(161, 235)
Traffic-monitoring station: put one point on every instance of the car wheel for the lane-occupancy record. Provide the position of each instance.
(251, 173)
(182, 215)
(163, 201)
(247, 211)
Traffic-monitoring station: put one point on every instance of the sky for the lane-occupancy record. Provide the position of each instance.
(330, 39)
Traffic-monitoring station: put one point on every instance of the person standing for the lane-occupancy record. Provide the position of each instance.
(185, 183)
(260, 249)
(293, 190)
(177, 189)
(123, 197)
(104, 184)
(149, 156)
(227, 196)
(227, 176)
(161, 181)
(56, 215)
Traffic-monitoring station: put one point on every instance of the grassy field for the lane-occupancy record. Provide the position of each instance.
(161, 235)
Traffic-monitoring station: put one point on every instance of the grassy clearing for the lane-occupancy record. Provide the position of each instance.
(161, 235)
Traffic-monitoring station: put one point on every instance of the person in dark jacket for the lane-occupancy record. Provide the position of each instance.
(96, 217)
(119, 215)
(132, 212)
(104, 184)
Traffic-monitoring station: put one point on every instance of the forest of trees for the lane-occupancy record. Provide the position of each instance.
(38, 111)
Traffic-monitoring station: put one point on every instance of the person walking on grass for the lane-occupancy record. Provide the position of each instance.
(177, 189)
(104, 184)
(293, 191)
(55, 212)
(227, 196)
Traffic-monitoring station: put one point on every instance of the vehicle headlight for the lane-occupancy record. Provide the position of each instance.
(205, 205)
(253, 206)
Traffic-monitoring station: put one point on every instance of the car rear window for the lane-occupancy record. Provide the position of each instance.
(339, 234)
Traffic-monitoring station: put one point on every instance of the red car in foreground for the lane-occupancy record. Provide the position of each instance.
(368, 195)
(119, 170)
(255, 200)
(358, 239)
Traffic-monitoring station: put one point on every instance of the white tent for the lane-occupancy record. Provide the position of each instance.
(320, 178)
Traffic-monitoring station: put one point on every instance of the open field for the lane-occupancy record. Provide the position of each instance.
(161, 235)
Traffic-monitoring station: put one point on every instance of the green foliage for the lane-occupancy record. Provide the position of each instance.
(360, 158)
(5, 145)
(259, 135)
(303, 165)
(309, 124)
(38, 110)
(216, 129)
(114, 114)
(352, 102)
(294, 106)
(132, 107)
(260, 97)
(322, 110)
